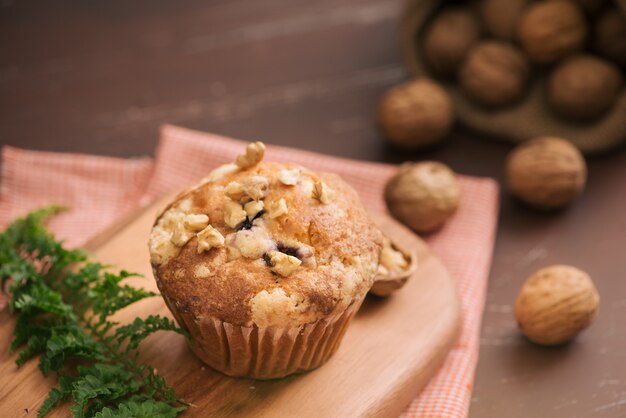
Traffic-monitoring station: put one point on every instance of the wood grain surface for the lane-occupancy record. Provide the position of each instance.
(101, 76)
(391, 349)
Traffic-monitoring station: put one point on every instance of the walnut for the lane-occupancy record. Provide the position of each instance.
(184, 226)
(448, 39)
(555, 304)
(495, 73)
(209, 238)
(284, 264)
(610, 36)
(234, 190)
(254, 242)
(289, 177)
(584, 87)
(254, 155)
(394, 270)
(170, 233)
(181, 235)
(253, 208)
(391, 260)
(254, 187)
(423, 195)
(234, 214)
(501, 17)
(277, 208)
(196, 222)
(322, 192)
(550, 30)
(416, 114)
(546, 173)
(299, 249)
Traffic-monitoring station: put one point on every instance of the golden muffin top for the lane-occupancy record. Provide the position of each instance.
(265, 243)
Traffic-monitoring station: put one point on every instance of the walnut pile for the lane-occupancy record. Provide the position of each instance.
(416, 114)
(555, 304)
(495, 51)
(495, 73)
(423, 195)
(449, 38)
(550, 30)
(584, 87)
(546, 173)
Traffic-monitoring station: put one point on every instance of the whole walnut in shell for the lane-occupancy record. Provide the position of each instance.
(415, 114)
(584, 87)
(423, 195)
(448, 39)
(495, 73)
(546, 173)
(610, 36)
(550, 30)
(500, 17)
(555, 304)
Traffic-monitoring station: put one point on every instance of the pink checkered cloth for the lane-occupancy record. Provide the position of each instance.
(100, 190)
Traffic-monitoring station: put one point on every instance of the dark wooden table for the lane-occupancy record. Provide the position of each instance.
(100, 77)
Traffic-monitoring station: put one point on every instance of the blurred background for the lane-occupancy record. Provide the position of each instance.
(100, 77)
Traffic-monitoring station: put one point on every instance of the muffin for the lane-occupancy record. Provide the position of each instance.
(265, 264)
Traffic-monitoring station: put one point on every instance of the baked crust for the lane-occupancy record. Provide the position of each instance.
(321, 224)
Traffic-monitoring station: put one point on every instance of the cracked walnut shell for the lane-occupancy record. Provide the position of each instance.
(423, 195)
(546, 173)
(555, 304)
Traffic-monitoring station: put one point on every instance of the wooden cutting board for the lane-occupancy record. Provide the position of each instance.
(391, 349)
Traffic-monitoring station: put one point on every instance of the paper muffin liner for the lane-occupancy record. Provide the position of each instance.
(265, 352)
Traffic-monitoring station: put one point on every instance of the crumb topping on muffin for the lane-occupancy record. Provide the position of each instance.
(265, 243)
